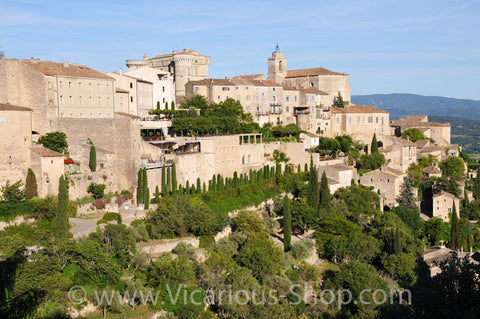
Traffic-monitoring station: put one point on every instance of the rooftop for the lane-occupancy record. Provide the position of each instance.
(311, 72)
(45, 152)
(9, 107)
(66, 69)
(358, 109)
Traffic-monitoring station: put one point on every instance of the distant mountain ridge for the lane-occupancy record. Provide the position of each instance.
(402, 104)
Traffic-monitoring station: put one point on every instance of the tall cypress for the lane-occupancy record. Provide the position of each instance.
(61, 218)
(235, 179)
(93, 159)
(166, 105)
(164, 183)
(299, 168)
(140, 187)
(278, 169)
(31, 184)
(199, 185)
(174, 179)
(187, 188)
(287, 224)
(173, 105)
(158, 105)
(214, 183)
(157, 195)
(204, 187)
(313, 189)
(466, 203)
(169, 180)
(477, 185)
(374, 146)
(147, 198)
(325, 197)
(454, 235)
(145, 187)
(305, 169)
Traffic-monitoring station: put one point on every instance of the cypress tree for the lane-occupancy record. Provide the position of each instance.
(158, 105)
(199, 185)
(235, 179)
(374, 146)
(173, 105)
(278, 169)
(313, 189)
(174, 179)
(214, 183)
(466, 204)
(210, 185)
(145, 186)
(164, 183)
(265, 172)
(166, 105)
(147, 198)
(204, 187)
(477, 185)
(397, 248)
(157, 195)
(169, 180)
(140, 187)
(31, 184)
(287, 224)
(299, 168)
(187, 188)
(193, 190)
(325, 197)
(93, 159)
(454, 235)
(253, 176)
(61, 218)
(259, 175)
(305, 169)
(219, 182)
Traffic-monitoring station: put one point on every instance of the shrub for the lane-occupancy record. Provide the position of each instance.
(108, 217)
(99, 204)
(301, 248)
(97, 190)
(56, 141)
(12, 193)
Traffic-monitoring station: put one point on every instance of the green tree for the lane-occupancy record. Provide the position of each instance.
(169, 180)
(313, 189)
(199, 185)
(287, 224)
(56, 141)
(158, 105)
(173, 105)
(374, 145)
(157, 195)
(93, 159)
(61, 218)
(407, 197)
(166, 105)
(325, 197)
(454, 233)
(164, 184)
(413, 134)
(436, 230)
(174, 178)
(31, 185)
(97, 190)
(145, 186)
(477, 185)
(339, 101)
(147, 198)
(13, 193)
(140, 187)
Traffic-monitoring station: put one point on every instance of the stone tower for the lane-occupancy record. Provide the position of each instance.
(277, 67)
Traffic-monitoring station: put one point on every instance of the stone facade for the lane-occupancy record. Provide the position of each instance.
(386, 180)
(48, 166)
(439, 132)
(399, 153)
(442, 204)
(188, 65)
(339, 175)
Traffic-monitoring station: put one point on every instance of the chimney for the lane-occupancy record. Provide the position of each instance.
(65, 64)
(146, 56)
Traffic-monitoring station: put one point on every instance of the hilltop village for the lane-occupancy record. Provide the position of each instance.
(131, 119)
(158, 177)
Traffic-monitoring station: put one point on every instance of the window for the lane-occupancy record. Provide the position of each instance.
(376, 119)
(69, 85)
(238, 97)
(273, 98)
(218, 97)
(61, 99)
(60, 84)
(131, 99)
(358, 119)
(163, 89)
(338, 120)
(236, 88)
(296, 98)
(225, 88)
(108, 87)
(246, 88)
(196, 89)
(310, 97)
(90, 101)
(311, 84)
(287, 109)
(50, 103)
(248, 97)
(370, 119)
(80, 100)
(79, 85)
(99, 100)
(350, 120)
(131, 85)
(89, 85)
(287, 98)
(163, 100)
(273, 89)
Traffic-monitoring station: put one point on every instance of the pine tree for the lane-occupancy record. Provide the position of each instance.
(407, 197)
(287, 224)
(140, 187)
(93, 159)
(199, 185)
(374, 146)
(169, 180)
(173, 105)
(147, 198)
(454, 235)
(157, 195)
(174, 179)
(31, 185)
(164, 183)
(325, 197)
(145, 186)
(61, 218)
(313, 190)
(339, 101)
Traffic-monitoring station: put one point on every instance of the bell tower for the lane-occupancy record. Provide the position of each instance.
(277, 66)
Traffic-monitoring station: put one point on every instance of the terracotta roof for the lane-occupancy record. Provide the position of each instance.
(52, 68)
(401, 141)
(332, 181)
(358, 109)
(235, 81)
(9, 107)
(432, 170)
(213, 82)
(310, 134)
(250, 77)
(419, 121)
(422, 143)
(311, 72)
(45, 152)
(432, 148)
(304, 89)
(385, 170)
(444, 194)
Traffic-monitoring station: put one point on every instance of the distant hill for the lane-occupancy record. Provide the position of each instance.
(401, 104)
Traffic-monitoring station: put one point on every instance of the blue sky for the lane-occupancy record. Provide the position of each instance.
(424, 47)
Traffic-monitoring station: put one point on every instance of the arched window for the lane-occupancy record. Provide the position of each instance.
(243, 160)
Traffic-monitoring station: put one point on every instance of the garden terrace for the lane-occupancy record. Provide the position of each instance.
(178, 147)
(250, 138)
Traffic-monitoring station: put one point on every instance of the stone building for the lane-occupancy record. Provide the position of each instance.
(188, 65)
(339, 175)
(48, 166)
(387, 181)
(439, 132)
(139, 98)
(442, 204)
(399, 153)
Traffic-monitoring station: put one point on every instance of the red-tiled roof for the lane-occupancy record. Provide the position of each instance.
(9, 107)
(250, 77)
(304, 89)
(358, 109)
(45, 152)
(52, 68)
(311, 72)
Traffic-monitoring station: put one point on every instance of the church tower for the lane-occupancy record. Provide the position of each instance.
(277, 67)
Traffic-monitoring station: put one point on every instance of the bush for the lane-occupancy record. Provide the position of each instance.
(97, 190)
(56, 141)
(10, 210)
(108, 217)
(99, 204)
(301, 248)
(12, 193)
